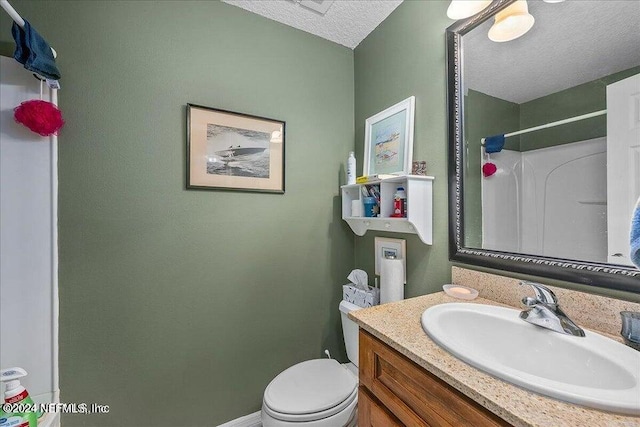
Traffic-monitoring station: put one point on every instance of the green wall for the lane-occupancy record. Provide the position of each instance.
(178, 307)
(404, 56)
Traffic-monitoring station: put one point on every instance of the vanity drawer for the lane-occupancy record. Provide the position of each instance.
(372, 414)
(415, 396)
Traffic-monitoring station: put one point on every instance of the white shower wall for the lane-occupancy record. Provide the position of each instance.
(550, 202)
(28, 246)
(501, 203)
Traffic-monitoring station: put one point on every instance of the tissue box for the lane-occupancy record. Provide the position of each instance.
(359, 297)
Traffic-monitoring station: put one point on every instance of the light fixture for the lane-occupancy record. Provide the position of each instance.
(460, 9)
(553, 1)
(512, 22)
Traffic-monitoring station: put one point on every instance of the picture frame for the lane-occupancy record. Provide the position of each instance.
(388, 140)
(384, 245)
(227, 150)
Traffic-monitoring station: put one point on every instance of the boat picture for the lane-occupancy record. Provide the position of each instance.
(237, 152)
(227, 150)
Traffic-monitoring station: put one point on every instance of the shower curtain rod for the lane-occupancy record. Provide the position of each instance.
(12, 13)
(18, 19)
(553, 124)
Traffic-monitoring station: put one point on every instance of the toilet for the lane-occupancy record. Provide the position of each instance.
(318, 392)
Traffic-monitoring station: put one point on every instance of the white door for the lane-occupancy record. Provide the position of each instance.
(623, 164)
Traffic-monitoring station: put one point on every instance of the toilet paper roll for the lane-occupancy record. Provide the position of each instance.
(356, 208)
(391, 280)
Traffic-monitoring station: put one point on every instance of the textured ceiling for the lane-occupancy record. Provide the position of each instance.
(347, 22)
(571, 43)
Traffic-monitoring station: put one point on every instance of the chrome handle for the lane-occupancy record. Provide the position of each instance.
(543, 294)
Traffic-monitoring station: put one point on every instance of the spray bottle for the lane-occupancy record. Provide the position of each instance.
(16, 394)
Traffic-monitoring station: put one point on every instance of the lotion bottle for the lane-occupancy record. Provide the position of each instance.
(399, 203)
(351, 169)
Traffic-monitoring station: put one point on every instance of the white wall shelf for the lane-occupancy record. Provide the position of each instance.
(419, 220)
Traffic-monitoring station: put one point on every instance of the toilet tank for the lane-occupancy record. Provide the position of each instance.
(350, 331)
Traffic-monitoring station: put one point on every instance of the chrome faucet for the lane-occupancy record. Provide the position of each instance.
(544, 311)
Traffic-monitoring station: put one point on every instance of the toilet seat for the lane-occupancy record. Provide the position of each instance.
(315, 416)
(310, 391)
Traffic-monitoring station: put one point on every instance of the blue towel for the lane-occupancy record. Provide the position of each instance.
(635, 236)
(493, 144)
(34, 52)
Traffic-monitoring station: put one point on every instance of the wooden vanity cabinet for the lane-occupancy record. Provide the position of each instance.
(395, 391)
(372, 414)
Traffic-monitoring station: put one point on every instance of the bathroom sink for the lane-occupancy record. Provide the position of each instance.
(592, 371)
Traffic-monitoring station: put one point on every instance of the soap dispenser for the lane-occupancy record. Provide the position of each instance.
(16, 395)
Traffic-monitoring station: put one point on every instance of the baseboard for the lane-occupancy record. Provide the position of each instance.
(251, 420)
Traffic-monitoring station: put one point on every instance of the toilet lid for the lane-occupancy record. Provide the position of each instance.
(309, 387)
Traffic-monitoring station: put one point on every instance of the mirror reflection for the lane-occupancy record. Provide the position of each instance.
(552, 132)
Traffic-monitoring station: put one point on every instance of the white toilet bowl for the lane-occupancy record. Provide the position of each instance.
(319, 392)
(315, 393)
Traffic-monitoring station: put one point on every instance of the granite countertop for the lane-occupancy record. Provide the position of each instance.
(398, 325)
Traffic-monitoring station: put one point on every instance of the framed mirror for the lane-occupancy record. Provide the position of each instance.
(544, 140)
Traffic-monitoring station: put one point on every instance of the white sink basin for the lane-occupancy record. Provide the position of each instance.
(592, 371)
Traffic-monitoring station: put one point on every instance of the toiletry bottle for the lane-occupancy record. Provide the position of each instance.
(399, 204)
(15, 393)
(369, 207)
(351, 169)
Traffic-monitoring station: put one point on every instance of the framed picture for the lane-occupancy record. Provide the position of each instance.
(388, 140)
(396, 247)
(234, 151)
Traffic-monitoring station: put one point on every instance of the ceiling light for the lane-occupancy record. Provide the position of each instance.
(460, 9)
(512, 22)
(553, 1)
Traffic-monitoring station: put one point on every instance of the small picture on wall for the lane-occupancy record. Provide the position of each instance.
(385, 248)
(234, 151)
(388, 145)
